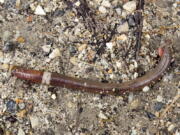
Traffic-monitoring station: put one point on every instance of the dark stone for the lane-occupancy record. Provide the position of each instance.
(11, 119)
(178, 13)
(150, 115)
(144, 129)
(11, 106)
(84, 130)
(158, 106)
(131, 21)
(1, 131)
(58, 13)
(80, 110)
(10, 4)
(72, 50)
(9, 46)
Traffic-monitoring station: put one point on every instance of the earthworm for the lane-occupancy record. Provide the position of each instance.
(55, 79)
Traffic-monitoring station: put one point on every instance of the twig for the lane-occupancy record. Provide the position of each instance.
(170, 106)
(139, 22)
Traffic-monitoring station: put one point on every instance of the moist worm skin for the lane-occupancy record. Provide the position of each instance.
(55, 79)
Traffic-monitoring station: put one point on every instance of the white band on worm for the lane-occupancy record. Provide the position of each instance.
(46, 78)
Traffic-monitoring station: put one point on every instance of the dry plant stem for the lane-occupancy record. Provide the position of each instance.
(56, 79)
(139, 21)
(170, 105)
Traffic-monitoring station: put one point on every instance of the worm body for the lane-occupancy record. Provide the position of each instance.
(55, 79)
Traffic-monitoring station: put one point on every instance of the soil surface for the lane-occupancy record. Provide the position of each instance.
(96, 40)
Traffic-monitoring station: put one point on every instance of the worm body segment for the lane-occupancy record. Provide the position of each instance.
(55, 79)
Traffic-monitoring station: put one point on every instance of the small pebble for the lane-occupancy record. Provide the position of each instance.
(72, 50)
(134, 104)
(133, 131)
(146, 89)
(77, 3)
(59, 12)
(1, 1)
(158, 106)
(109, 45)
(124, 14)
(53, 96)
(11, 119)
(46, 48)
(171, 127)
(131, 21)
(5, 66)
(34, 121)
(159, 98)
(122, 37)
(147, 36)
(11, 106)
(20, 131)
(130, 97)
(9, 46)
(21, 105)
(39, 11)
(22, 113)
(135, 75)
(118, 11)
(102, 116)
(55, 53)
(82, 47)
(130, 6)
(20, 39)
(150, 115)
(106, 3)
(123, 28)
(102, 9)
(177, 132)
(18, 3)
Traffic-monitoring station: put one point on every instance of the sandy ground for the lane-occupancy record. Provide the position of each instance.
(69, 39)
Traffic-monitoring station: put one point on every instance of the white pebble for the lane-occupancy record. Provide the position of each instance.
(124, 14)
(102, 9)
(39, 11)
(78, 3)
(109, 45)
(55, 53)
(123, 28)
(118, 11)
(130, 6)
(102, 116)
(175, 5)
(1, 1)
(119, 64)
(135, 75)
(133, 131)
(34, 121)
(122, 37)
(159, 98)
(171, 127)
(124, 77)
(177, 132)
(53, 96)
(106, 3)
(147, 36)
(20, 132)
(146, 89)
(46, 48)
(130, 97)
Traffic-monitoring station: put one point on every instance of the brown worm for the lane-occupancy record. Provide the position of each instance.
(55, 79)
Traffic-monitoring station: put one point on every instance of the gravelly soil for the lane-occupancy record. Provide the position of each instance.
(87, 50)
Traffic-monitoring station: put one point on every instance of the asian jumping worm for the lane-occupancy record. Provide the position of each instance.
(56, 79)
